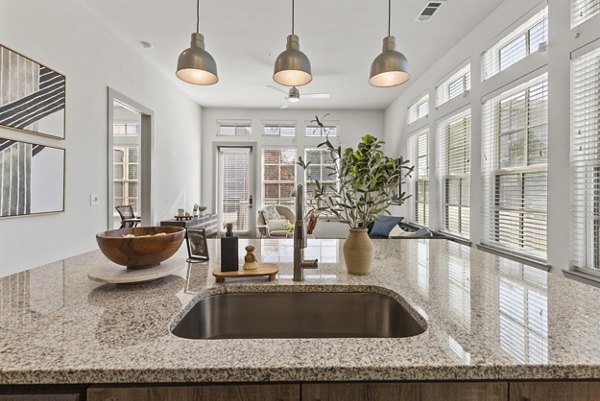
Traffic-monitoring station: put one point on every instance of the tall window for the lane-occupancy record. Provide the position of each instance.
(583, 10)
(321, 169)
(585, 161)
(234, 128)
(514, 169)
(454, 158)
(126, 176)
(279, 176)
(457, 84)
(418, 109)
(418, 150)
(279, 129)
(530, 37)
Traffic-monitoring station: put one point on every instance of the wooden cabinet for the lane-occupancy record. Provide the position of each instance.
(555, 391)
(258, 392)
(461, 391)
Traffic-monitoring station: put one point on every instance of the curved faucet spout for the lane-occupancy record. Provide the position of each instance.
(300, 239)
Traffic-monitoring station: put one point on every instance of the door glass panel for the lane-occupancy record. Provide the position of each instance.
(234, 188)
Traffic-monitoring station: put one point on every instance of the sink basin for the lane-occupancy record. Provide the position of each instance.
(297, 315)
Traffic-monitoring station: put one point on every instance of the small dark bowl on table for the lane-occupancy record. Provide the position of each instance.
(140, 252)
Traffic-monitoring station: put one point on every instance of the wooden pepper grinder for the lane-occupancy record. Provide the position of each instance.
(250, 262)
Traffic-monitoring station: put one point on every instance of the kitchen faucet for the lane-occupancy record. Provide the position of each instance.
(300, 240)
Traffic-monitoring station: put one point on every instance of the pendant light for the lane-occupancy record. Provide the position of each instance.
(195, 65)
(390, 68)
(292, 67)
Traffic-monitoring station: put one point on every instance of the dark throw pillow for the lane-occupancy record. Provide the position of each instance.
(384, 225)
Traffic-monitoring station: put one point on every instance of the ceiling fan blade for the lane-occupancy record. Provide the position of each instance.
(315, 95)
(285, 105)
(277, 89)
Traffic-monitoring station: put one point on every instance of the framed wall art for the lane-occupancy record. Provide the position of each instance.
(32, 178)
(32, 96)
(196, 245)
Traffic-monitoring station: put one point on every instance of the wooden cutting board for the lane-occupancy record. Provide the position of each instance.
(263, 269)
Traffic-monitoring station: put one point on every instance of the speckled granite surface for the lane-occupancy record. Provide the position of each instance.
(487, 318)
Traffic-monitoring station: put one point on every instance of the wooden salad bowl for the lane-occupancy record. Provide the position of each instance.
(140, 247)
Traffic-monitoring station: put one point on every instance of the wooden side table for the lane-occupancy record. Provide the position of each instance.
(207, 221)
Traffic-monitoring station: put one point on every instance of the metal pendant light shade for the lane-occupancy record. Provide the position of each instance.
(292, 67)
(390, 68)
(196, 65)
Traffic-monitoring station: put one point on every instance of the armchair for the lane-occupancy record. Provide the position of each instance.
(276, 232)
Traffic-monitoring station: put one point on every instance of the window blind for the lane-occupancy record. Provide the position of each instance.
(419, 109)
(457, 84)
(279, 176)
(321, 169)
(453, 173)
(585, 161)
(234, 128)
(514, 169)
(234, 187)
(528, 38)
(583, 10)
(325, 131)
(418, 150)
(279, 129)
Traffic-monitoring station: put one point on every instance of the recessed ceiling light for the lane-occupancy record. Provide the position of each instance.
(146, 45)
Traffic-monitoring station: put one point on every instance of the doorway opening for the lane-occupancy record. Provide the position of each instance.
(129, 158)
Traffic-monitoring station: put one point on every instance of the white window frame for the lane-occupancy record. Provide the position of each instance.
(285, 129)
(280, 200)
(444, 89)
(124, 180)
(531, 219)
(419, 109)
(420, 182)
(491, 59)
(583, 10)
(240, 128)
(450, 145)
(330, 129)
(323, 170)
(585, 164)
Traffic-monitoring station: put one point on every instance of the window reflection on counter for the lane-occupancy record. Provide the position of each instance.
(523, 312)
(276, 251)
(459, 350)
(326, 250)
(31, 294)
(423, 267)
(459, 283)
(282, 251)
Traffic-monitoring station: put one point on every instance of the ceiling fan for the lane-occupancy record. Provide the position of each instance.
(293, 95)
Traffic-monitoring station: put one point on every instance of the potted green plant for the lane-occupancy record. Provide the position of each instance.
(367, 185)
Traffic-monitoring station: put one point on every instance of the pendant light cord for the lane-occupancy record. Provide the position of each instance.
(293, 8)
(389, 17)
(197, 16)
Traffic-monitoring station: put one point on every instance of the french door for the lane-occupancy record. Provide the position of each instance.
(235, 188)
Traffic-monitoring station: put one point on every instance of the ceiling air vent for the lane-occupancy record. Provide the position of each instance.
(429, 10)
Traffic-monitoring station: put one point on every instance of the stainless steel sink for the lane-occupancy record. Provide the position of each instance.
(297, 315)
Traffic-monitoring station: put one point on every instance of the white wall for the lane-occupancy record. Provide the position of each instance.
(70, 38)
(353, 125)
(562, 40)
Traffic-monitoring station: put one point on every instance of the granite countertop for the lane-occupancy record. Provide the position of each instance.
(487, 318)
